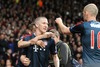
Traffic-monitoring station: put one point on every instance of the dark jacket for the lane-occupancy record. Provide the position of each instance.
(64, 54)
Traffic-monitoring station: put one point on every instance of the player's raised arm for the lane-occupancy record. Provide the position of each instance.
(62, 27)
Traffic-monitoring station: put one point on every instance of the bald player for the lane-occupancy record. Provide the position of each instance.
(90, 35)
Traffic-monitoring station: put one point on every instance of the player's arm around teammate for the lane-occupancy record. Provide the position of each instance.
(22, 44)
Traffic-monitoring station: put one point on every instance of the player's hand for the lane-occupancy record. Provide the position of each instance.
(48, 34)
(40, 43)
(33, 41)
(25, 61)
(58, 20)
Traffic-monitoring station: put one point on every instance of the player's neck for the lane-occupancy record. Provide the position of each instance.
(37, 32)
(91, 18)
(57, 41)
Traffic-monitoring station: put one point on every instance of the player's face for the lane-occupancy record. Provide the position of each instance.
(84, 15)
(56, 39)
(43, 26)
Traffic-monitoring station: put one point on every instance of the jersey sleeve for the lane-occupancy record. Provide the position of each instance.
(53, 48)
(24, 50)
(78, 28)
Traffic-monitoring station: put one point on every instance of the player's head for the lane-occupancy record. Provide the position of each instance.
(90, 10)
(32, 27)
(41, 24)
(56, 36)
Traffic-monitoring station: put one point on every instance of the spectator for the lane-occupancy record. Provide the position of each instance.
(3, 44)
(64, 51)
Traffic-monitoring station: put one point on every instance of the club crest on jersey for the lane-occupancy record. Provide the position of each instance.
(45, 42)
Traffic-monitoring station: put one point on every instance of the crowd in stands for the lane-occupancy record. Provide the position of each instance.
(16, 15)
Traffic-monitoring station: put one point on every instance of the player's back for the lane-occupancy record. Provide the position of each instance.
(91, 44)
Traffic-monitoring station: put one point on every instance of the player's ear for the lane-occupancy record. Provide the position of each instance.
(36, 25)
(86, 12)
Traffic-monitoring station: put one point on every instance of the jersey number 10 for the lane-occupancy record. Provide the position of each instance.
(93, 41)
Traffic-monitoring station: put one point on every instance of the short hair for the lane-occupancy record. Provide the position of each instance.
(38, 19)
(92, 9)
(30, 26)
(56, 33)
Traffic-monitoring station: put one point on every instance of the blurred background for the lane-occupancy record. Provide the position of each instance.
(16, 15)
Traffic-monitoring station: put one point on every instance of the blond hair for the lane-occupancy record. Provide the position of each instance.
(92, 9)
(55, 32)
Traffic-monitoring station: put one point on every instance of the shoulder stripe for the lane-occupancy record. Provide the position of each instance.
(26, 35)
(78, 23)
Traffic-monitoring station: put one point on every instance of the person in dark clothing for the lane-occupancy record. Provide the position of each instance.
(3, 44)
(64, 52)
(32, 55)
